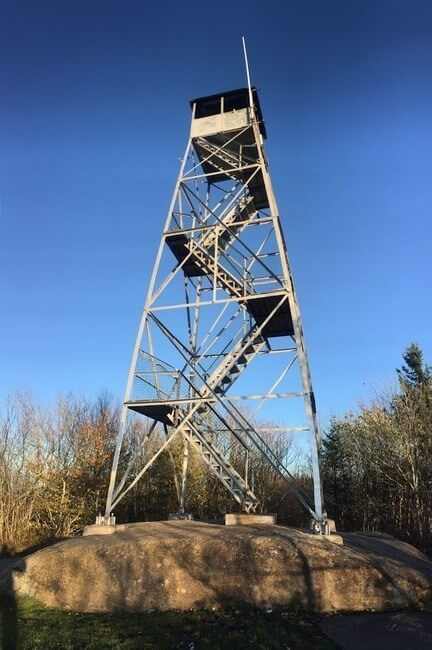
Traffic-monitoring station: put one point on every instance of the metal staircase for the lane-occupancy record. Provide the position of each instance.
(231, 226)
(219, 464)
(223, 158)
(195, 429)
(233, 163)
(191, 253)
(234, 364)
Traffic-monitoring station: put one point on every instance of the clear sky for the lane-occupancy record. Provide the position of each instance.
(94, 115)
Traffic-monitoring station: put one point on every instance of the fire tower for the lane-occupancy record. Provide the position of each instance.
(221, 313)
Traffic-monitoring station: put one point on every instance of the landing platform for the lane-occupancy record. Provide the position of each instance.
(187, 564)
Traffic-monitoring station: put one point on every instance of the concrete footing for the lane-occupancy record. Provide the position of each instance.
(333, 538)
(331, 525)
(176, 516)
(99, 529)
(245, 519)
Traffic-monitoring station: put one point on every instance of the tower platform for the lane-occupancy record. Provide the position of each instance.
(156, 411)
(280, 324)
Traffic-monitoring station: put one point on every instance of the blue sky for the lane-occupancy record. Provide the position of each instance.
(94, 116)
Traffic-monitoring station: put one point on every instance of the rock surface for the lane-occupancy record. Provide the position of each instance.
(187, 564)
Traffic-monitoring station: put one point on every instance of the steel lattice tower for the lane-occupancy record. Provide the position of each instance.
(221, 310)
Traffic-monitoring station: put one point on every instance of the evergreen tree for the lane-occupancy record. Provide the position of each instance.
(415, 373)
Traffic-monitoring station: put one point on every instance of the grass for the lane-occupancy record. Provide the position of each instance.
(26, 624)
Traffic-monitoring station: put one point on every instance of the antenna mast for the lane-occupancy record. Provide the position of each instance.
(247, 72)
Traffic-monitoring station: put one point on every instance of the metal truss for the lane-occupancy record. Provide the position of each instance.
(221, 309)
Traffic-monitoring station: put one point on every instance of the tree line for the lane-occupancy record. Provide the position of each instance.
(376, 463)
(55, 462)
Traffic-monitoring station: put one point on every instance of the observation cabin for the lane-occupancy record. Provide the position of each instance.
(222, 117)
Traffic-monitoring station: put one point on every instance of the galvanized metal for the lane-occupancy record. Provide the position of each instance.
(220, 296)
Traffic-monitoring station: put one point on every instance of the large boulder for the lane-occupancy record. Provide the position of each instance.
(185, 564)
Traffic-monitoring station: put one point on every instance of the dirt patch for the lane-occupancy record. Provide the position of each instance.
(183, 565)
